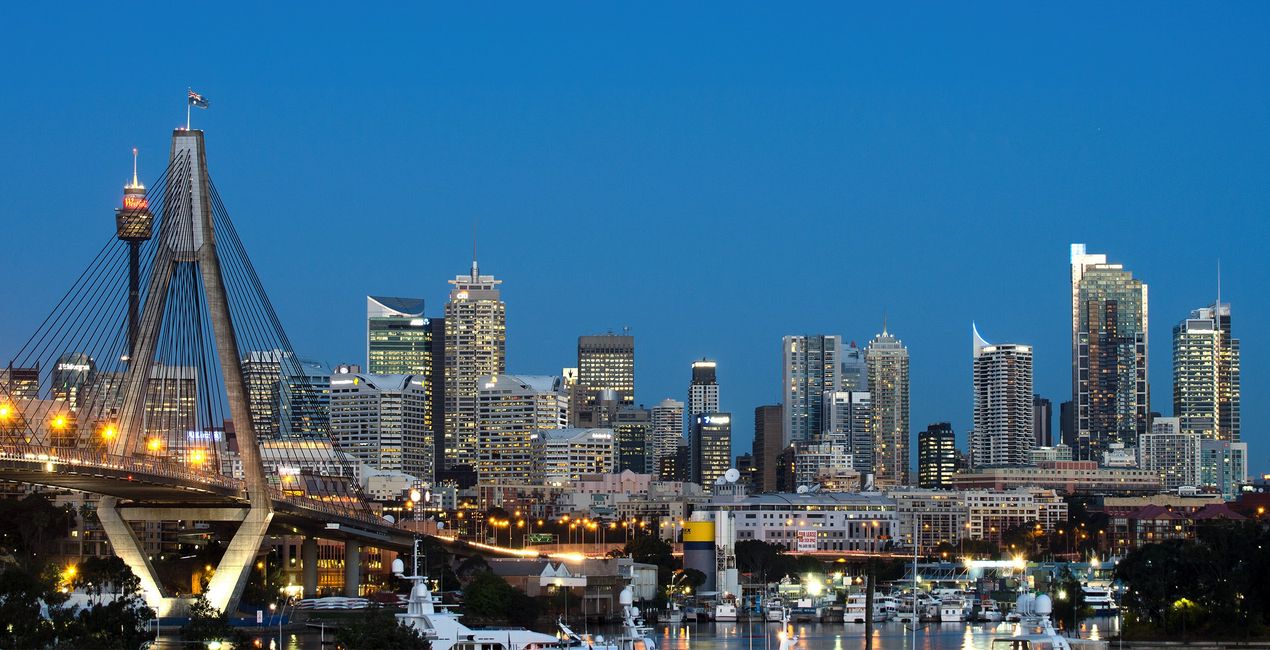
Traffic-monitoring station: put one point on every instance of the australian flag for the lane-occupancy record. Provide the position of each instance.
(198, 100)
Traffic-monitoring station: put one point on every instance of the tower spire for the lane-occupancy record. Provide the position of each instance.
(135, 184)
(475, 269)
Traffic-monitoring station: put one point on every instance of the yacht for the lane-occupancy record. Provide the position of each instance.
(443, 630)
(635, 635)
(951, 608)
(1035, 631)
(675, 615)
(856, 604)
(725, 609)
(989, 611)
(775, 610)
(1100, 600)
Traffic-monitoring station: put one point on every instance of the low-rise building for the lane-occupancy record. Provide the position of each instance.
(813, 521)
(1065, 476)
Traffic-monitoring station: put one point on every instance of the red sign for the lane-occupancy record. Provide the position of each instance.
(135, 202)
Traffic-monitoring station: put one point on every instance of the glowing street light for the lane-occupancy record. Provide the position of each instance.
(154, 444)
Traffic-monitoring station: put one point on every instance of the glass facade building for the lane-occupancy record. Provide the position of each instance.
(887, 360)
(1206, 374)
(811, 368)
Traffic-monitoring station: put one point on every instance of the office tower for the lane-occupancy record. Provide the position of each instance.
(606, 373)
(170, 401)
(435, 388)
(703, 392)
(745, 465)
(810, 368)
(768, 443)
(1067, 423)
(475, 349)
(711, 443)
(1223, 467)
(824, 463)
(936, 456)
(1042, 421)
(398, 339)
(379, 419)
(20, 383)
(1110, 386)
(887, 359)
(1170, 452)
(849, 420)
(1003, 418)
(667, 434)
(287, 397)
(564, 455)
(676, 466)
(855, 370)
(72, 374)
(633, 427)
(511, 410)
(134, 225)
(1206, 374)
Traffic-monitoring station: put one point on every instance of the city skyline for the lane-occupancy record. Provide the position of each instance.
(1041, 157)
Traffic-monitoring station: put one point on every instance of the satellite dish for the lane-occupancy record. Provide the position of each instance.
(802, 489)
(732, 475)
(390, 519)
(720, 481)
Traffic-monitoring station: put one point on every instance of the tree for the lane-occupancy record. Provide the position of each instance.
(209, 624)
(758, 558)
(22, 593)
(650, 549)
(1069, 601)
(29, 525)
(490, 599)
(379, 630)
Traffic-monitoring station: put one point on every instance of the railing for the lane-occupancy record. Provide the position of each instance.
(81, 457)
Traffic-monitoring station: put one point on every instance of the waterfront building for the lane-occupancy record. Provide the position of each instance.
(1171, 453)
(381, 420)
(1003, 418)
(888, 362)
(850, 419)
(1110, 374)
(814, 521)
(475, 349)
(810, 368)
(563, 455)
(1206, 395)
(936, 456)
(1068, 477)
(991, 513)
(768, 443)
(511, 409)
(934, 516)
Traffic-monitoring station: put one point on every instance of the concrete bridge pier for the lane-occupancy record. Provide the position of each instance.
(352, 567)
(309, 566)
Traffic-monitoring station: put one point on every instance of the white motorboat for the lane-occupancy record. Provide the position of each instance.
(635, 635)
(989, 611)
(1035, 631)
(1100, 600)
(951, 608)
(775, 610)
(444, 631)
(856, 607)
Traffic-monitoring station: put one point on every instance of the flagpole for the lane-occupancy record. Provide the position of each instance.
(187, 113)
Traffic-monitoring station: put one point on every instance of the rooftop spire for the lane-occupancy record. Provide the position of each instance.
(475, 270)
(135, 184)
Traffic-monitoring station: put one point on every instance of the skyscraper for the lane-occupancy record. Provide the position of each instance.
(711, 448)
(633, 428)
(855, 370)
(849, 420)
(703, 391)
(810, 368)
(475, 349)
(398, 340)
(606, 372)
(768, 443)
(380, 420)
(887, 359)
(936, 456)
(287, 397)
(511, 409)
(1003, 418)
(1170, 453)
(1110, 387)
(1206, 374)
(1042, 421)
(668, 433)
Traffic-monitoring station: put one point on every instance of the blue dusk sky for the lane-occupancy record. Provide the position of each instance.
(711, 175)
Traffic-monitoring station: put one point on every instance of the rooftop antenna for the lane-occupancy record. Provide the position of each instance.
(1219, 291)
(475, 272)
(883, 322)
(136, 183)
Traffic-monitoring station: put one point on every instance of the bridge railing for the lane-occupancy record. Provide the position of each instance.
(97, 459)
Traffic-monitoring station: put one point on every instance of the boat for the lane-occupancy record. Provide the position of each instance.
(951, 608)
(1035, 630)
(443, 630)
(635, 635)
(1100, 600)
(989, 611)
(725, 609)
(775, 610)
(675, 615)
(833, 614)
(856, 604)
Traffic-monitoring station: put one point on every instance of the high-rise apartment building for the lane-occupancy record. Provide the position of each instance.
(633, 427)
(768, 443)
(1110, 388)
(810, 368)
(475, 349)
(711, 443)
(849, 420)
(20, 383)
(511, 410)
(1206, 374)
(1170, 453)
(703, 391)
(936, 456)
(668, 434)
(1042, 421)
(1223, 467)
(1003, 417)
(398, 339)
(606, 373)
(887, 359)
(379, 419)
(564, 455)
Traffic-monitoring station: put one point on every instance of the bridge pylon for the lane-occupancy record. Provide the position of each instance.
(187, 244)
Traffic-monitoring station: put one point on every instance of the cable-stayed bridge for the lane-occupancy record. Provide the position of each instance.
(160, 380)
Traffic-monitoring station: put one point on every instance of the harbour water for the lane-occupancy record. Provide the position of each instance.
(760, 635)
